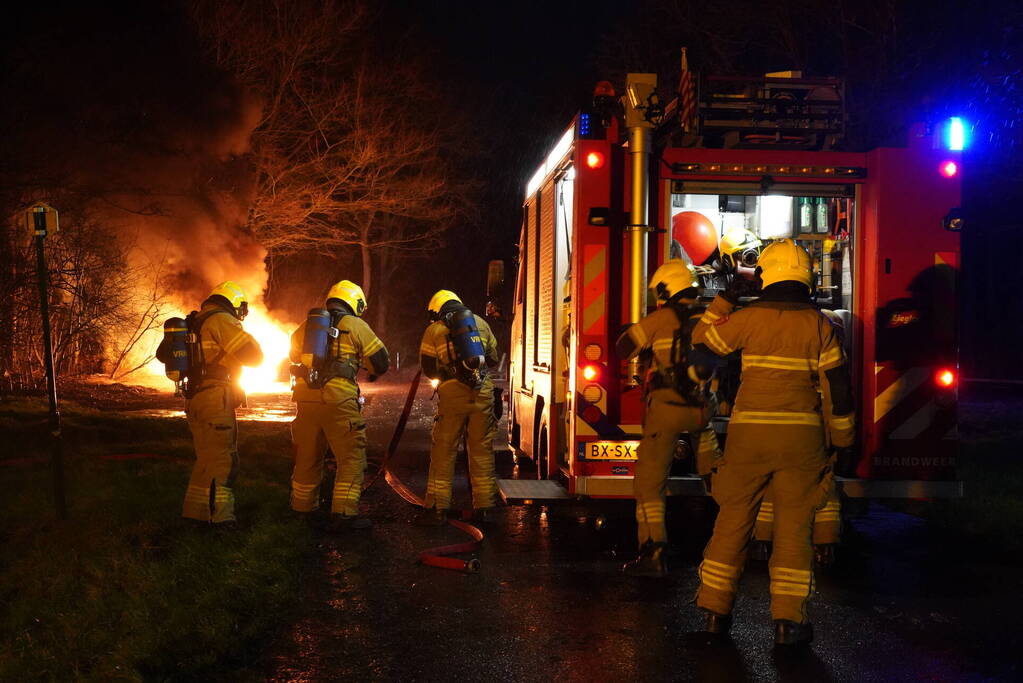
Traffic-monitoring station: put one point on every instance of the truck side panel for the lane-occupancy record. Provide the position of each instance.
(909, 315)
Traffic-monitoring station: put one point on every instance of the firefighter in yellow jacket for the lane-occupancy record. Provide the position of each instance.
(223, 347)
(465, 406)
(329, 412)
(827, 521)
(776, 436)
(675, 403)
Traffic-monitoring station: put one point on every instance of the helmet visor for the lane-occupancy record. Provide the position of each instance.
(749, 257)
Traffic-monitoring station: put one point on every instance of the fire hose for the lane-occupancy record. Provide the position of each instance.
(436, 556)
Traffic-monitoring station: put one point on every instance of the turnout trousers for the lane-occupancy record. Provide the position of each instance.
(827, 522)
(210, 496)
(462, 410)
(667, 416)
(317, 425)
(791, 460)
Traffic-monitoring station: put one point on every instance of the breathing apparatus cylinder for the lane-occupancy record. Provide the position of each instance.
(175, 335)
(465, 337)
(315, 344)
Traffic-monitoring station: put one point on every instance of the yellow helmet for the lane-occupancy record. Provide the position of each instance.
(785, 260)
(674, 276)
(234, 296)
(350, 294)
(439, 299)
(739, 247)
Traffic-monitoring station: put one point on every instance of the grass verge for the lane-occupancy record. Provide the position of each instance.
(125, 590)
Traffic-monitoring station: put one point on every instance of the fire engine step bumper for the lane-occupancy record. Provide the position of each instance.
(531, 490)
(522, 490)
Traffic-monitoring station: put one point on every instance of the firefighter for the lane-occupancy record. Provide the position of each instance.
(222, 348)
(739, 250)
(776, 436)
(330, 413)
(674, 404)
(465, 405)
(827, 522)
(737, 258)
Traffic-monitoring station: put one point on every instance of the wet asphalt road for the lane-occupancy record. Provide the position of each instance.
(550, 603)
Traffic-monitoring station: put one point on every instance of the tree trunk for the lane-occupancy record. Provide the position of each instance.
(7, 287)
(367, 259)
(367, 270)
(382, 302)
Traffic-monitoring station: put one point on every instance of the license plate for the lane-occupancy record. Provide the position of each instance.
(611, 450)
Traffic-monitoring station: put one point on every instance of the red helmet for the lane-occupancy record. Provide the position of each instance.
(696, 234)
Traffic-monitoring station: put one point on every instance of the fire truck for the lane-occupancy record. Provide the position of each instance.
(762, 153)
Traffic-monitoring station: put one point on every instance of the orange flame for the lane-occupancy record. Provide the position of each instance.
(276, 343)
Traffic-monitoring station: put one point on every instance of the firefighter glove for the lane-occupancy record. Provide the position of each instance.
(846, 459)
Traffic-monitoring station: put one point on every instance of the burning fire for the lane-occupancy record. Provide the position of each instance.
(276, 343)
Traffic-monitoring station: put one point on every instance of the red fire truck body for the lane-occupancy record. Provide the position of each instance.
(881, 227)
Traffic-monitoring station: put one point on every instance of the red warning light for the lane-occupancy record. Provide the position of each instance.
(948, 169)
(945, 378)
(594, 160)
(590, 372)
(604, 89)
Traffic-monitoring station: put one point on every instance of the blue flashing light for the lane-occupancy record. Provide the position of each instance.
(956, 134)
(584, 125)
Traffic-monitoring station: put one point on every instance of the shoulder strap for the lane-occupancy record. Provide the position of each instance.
(195, 321)
(681, 339)
(681, 312)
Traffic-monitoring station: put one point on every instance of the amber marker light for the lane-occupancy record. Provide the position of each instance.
(945, 378)
(594, 160)
(590, 372)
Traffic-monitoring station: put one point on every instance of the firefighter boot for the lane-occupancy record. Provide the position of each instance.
(431, 516)
(342, 523)
(790, 633)
(716, 624)
(650, 561)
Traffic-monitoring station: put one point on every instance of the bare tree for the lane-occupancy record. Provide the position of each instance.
(348, 148)
(91, 289)
(141, 319)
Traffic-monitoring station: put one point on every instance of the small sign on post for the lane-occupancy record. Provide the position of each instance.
(41, 219)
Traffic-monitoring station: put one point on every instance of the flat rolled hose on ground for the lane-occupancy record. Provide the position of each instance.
(438, 556)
